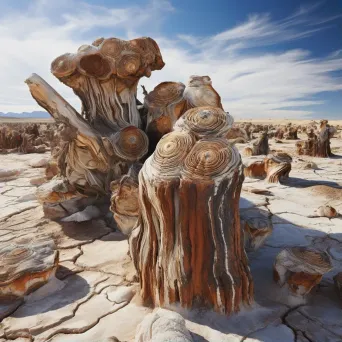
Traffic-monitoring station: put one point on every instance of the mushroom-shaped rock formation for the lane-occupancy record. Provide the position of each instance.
(105, 77)
(277, 167)
(163, 326)
(256, 230)
(300, 269)
(125, 200)
(170, 100)
(318, 144)
(338, 284)
(89, 159)
(26, 265)
(189, 225)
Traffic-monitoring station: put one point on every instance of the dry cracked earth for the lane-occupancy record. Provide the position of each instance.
(94, 294)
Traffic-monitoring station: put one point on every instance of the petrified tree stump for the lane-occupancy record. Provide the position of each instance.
(26, 265)
(259, 147)
(300, 269)
(318, 143)
(188, 246)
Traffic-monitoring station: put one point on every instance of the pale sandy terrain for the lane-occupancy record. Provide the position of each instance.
(92, 298)
(286, 121)
(25, 120)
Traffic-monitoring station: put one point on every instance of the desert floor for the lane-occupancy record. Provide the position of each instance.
(94, 296)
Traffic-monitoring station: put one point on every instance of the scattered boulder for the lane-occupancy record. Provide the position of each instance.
(300, 269)
(26, 264)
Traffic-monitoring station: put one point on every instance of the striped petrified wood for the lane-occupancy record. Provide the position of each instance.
(188, 246)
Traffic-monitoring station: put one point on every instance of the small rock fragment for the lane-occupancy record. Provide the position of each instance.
(163, 326)
(300, 269)
(26, 264)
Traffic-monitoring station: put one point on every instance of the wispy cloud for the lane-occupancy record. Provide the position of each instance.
(251, 84)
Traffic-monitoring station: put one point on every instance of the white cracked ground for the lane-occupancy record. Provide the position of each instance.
(93, 297)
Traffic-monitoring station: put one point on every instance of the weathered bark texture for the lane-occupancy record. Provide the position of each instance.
(188, 246)
(125, 200)
(170, 100)
(26, 265)
(318, 143)
(300, 269)
(89, 159)
(105, 77)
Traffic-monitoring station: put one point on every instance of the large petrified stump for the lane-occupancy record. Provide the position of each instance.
(188, 246)
(25, 265)
(300, 269)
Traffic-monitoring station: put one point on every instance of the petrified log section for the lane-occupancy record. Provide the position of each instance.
(274, 167)
(170, 100)
(25, 265)
(318, 143)
(300, 269)
(188, 247)
(90, 160)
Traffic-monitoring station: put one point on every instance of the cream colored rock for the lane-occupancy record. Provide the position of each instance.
(163, 326)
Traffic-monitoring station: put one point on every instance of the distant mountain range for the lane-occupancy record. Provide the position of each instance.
(25, 115)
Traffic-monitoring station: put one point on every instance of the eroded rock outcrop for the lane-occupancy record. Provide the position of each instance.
(26, 264)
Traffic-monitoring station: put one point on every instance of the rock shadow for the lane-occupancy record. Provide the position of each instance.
(271, 303)
(66, 292)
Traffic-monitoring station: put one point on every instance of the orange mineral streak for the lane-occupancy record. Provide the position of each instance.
(306, 280)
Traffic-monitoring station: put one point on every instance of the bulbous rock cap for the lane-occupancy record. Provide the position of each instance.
(303, 259)
(205, 121)
(111, 57)
(165, 94)
(26, 263)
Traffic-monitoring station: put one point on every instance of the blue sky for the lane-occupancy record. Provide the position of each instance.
(280, 59)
